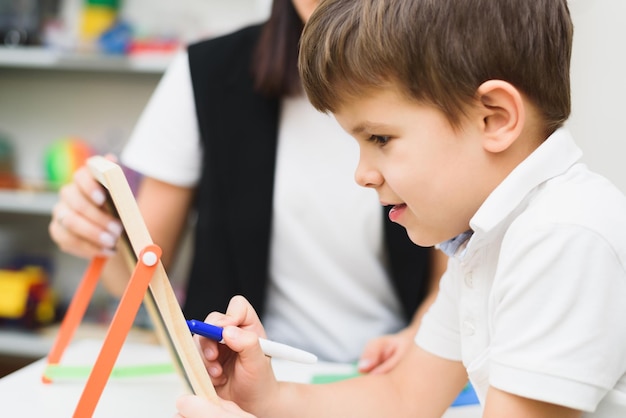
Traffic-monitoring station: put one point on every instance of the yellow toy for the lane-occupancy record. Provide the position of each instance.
(26, 297)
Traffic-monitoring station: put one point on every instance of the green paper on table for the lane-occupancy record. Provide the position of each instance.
(67, 372)
(333, 377)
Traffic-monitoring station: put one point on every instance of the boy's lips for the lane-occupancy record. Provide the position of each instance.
(396, 212)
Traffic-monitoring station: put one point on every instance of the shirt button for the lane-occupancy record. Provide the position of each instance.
(468, 327)
(469, 280)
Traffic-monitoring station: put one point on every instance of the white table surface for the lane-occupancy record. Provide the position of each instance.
(22, 394)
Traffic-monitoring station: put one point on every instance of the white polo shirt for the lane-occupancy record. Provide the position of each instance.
(534, 303)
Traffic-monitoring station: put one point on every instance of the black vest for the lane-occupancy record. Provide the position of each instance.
(238, 129)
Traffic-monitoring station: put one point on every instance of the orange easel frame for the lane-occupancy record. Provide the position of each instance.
(148, 282)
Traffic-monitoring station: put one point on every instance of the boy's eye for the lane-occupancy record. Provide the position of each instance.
(379, 139)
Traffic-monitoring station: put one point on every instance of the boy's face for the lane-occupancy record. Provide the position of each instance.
(435, 176)
(305, 8)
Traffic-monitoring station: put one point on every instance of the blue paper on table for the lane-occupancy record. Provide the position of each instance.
(466, 397)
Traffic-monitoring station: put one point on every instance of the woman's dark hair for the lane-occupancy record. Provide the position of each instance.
(275, 61)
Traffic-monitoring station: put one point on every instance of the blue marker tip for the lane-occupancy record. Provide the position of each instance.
(206, 330)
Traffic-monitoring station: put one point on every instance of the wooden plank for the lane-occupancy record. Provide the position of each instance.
(161, 302)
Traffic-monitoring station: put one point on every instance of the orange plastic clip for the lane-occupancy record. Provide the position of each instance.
(118, 330)
(121, 324)
(75, 311)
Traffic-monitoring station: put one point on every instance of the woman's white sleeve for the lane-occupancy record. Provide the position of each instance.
(165, 143)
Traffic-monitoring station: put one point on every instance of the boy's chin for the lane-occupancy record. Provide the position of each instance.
(419, 238)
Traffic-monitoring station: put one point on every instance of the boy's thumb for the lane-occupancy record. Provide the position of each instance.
(246, 343)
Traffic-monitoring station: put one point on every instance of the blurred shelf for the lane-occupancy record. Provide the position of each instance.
(37, 344)
(43, 58)
(27, 202)
(24, 343)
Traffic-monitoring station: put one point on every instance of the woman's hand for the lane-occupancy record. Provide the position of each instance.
(80, 225)
(382, 354)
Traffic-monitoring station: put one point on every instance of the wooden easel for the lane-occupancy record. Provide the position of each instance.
(148, 282)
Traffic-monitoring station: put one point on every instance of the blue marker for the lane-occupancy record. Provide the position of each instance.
(270, 348)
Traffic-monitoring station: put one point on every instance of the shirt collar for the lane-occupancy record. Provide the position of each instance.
(451, 246)
(552, 158)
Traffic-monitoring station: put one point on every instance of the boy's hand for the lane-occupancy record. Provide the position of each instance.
(191, 406)
(239, 370)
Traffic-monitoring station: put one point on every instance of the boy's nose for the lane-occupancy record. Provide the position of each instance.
(367, 176)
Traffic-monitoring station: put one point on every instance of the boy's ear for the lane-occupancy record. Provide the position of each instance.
(503, 114)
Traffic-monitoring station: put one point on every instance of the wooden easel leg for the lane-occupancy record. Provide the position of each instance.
(75, 311)
(118, 330)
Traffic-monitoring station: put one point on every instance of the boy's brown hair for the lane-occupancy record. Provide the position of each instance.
(439, 51)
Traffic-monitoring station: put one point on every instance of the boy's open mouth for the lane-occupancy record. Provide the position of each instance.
(396, 211)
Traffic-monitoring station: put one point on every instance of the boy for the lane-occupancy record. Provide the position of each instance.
(458, 107)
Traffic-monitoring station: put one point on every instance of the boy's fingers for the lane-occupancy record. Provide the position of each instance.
(232, 407)
(191, 405)
(239, 313)
(244, 315)
(245, 343)
(238, 308)
(195, 406)
(218, 318)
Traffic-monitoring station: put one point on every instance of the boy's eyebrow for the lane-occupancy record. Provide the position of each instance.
(368, 127)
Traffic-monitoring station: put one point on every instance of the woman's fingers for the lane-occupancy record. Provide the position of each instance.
(80, 224)
(72, 243)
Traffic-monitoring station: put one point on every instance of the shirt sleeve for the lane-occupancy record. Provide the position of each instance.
(165, 143)
(439, 331)
(558, 333)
